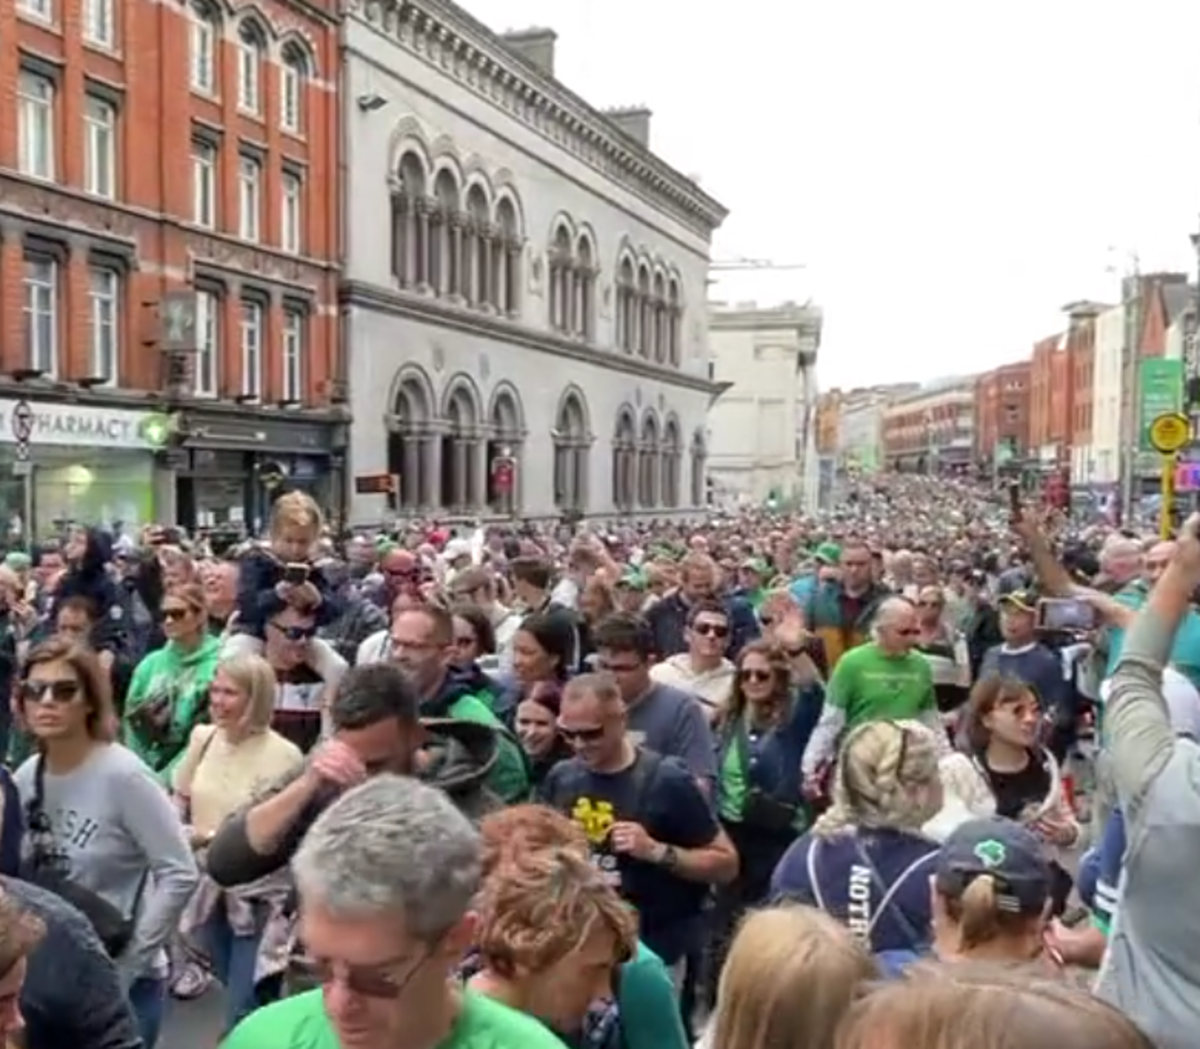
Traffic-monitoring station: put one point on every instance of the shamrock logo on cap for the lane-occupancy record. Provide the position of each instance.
(991, 853)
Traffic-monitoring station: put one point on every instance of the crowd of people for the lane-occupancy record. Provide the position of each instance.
(752, 782)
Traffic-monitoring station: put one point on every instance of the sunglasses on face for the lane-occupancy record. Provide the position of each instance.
(908, 632)
(296, 633)
(581, 735)
(711, 629)
(61, 690)
(173, 615)
(755, 674)
(400, 573)
(382, 982)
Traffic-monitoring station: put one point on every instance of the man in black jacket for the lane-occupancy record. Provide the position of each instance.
(72, 995)
(376, 728)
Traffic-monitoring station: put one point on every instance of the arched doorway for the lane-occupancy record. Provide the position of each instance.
(624, 471)
(461, 441)
(409, 437)
(572, 442)
(506, 431)
(648, 463)
(672, 452)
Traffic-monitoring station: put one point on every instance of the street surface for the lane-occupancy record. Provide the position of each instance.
(194, 1025)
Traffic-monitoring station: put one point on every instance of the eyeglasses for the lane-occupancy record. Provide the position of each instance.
(296, 633)
(173, 615)
(61, 690)
(581, 735)
(710, 629)
(382, 981)
(754, 674)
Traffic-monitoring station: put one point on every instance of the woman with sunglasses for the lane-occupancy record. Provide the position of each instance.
(761, 735)
(168, 696)
(102, 832)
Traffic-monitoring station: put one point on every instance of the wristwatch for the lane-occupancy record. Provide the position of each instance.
(668, 858)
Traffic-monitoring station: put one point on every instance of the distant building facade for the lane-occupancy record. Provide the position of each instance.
(762, 431)
(932, 430)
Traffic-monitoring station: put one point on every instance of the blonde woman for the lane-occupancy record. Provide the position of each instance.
(974, 1006)
(789, 980)
(865, 861)
(552, 934)
(224, 767)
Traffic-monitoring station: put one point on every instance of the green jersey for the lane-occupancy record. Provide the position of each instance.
(300, 1023)
(869, 685)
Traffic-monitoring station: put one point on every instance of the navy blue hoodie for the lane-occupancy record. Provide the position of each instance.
(259, 574)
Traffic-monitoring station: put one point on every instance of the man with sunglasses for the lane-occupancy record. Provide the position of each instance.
(386, 878)
(304, 682)
(703, 671)
(883, 680)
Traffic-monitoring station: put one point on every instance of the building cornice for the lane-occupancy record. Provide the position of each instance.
(432, 311)
(467, 51)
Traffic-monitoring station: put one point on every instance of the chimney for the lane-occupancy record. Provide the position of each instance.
(535, 46)
(633, 121)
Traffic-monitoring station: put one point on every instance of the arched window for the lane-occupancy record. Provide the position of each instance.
(508, 284)
(624, 467)
(410, 226)
(585, 290)
(658, 313)
(648, 453)
(672, 452)
(561, 264)
(642, 312)
(445, 244)
(674, 325)
(204, 55)
(251, 49)
(293, 86)
(626, 295)
(572, 442)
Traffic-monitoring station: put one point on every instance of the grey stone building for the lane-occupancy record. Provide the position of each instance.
(525, 282)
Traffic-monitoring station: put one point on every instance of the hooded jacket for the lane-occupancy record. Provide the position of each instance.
(461, 755)
(177, 681)
(91, 579)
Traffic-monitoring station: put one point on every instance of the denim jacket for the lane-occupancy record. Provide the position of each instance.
(777, 769)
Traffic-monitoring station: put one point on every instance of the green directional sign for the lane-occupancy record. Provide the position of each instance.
(1160, 392)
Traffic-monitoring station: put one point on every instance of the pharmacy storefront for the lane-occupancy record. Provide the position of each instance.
(87, 464)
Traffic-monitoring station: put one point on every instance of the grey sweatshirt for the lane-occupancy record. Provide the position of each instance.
(1151, 971)
(112, 821)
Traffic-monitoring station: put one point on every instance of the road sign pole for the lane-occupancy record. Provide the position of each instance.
(1166, 511)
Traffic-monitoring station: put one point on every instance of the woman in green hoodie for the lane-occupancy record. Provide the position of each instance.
(168, 696)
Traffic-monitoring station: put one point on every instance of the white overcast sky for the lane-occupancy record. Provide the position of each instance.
(950, 173)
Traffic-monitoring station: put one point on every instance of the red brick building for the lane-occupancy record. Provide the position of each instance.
(152, 148)
(1050, 401)
(932, 429)
(1002, 412)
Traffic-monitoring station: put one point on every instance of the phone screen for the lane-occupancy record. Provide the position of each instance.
(1014, 497)
(296, 574)
(1066, 613)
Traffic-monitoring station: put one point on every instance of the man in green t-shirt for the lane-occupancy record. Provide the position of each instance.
(385, 878)
(883, 680)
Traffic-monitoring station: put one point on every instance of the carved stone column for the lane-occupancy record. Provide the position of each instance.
(480, 473)
(487, 245)
(461, 488)
(458, 223)
(437, 260)
(423, 271)
(411, 489)
(512, 298)
(432, 496)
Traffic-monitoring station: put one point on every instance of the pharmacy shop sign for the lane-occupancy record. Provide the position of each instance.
(73, 425)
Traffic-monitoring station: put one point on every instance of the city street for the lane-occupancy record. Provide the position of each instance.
(193, 1025)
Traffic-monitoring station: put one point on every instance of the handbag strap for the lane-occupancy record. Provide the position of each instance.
(41, 833)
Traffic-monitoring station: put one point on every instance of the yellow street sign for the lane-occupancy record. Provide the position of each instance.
(1170, 432)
